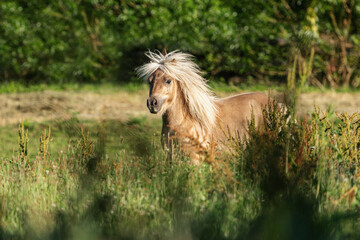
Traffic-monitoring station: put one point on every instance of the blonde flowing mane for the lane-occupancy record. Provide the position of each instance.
(198, 96)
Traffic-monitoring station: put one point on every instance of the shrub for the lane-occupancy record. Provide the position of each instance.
(104, 40)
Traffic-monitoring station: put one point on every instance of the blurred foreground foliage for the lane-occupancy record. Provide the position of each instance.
(104, 40)
(112, 180)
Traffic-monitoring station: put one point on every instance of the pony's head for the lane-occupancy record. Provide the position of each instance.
(170, 73)
(162, 94)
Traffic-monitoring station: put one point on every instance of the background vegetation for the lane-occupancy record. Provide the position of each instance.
(104, 40)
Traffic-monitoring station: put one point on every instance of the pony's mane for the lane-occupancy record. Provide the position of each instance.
(198, 96)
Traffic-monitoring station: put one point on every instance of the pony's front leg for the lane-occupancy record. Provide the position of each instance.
(195, 158)
(168, 145)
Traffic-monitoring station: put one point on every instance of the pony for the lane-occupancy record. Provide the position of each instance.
(190, 110)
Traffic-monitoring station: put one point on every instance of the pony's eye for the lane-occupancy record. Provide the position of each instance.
(168, 81)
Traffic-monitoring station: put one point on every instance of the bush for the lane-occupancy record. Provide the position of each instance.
(104, 40)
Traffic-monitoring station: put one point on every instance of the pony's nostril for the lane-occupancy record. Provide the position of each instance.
(154, 102)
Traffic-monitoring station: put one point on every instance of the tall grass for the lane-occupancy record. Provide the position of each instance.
(290, 177)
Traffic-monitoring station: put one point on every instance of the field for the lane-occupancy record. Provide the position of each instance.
(80, 154)
(116, 103)
(88, 164)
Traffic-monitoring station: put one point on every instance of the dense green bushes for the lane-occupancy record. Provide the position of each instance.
(104, 40)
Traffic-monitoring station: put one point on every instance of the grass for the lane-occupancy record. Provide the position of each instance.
(65, 132)
(15, 86)
(112, 180)
(132, 183)
(217, 86)
(74, 179)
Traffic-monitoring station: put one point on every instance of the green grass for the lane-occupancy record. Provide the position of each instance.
(127, 135)
(217, 86)
(130, 189)
(113, 181)
(14, 86)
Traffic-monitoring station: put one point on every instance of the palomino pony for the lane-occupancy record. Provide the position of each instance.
(189, 109)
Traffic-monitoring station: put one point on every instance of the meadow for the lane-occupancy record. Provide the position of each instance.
(110, 179)
(80, 155)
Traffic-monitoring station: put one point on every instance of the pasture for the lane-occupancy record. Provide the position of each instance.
(99, 172)
(81, 156)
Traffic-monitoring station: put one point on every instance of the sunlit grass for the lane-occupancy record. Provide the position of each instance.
(217, 86)
(111, 179)
(16, 86)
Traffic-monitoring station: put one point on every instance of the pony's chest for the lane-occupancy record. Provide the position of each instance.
(188, 135)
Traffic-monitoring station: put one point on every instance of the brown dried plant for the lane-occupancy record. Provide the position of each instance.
(44, 144)
(23, 142)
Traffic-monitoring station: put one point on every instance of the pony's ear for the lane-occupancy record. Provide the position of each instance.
(164, 52)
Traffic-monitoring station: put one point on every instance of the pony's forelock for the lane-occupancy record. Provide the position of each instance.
(180, 66)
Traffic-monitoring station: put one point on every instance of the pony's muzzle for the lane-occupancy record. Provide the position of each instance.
(154, 104)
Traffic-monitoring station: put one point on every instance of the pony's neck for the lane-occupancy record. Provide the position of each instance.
(178, 114)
